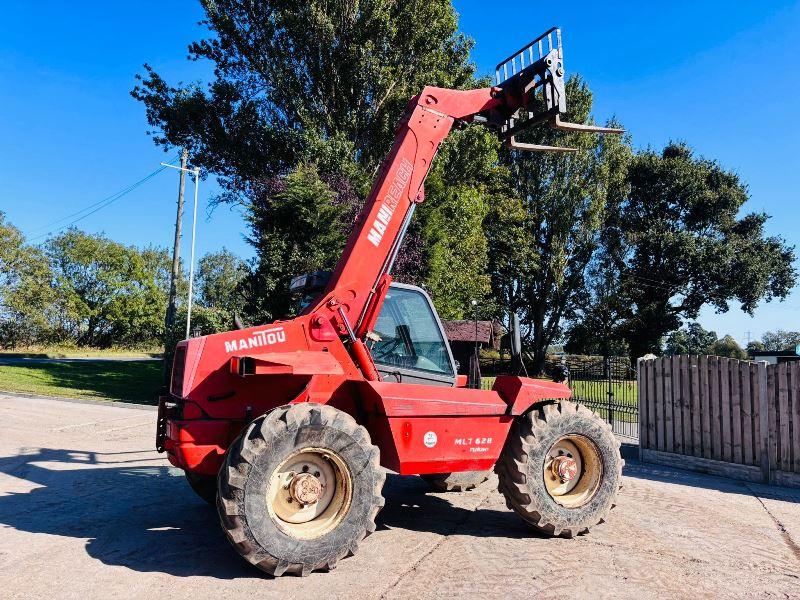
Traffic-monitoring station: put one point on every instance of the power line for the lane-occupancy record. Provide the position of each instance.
(94, 207)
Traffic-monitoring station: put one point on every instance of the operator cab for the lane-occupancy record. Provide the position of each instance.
(408, 343)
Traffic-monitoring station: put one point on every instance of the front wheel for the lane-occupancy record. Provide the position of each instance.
(300, 488)
(560, 469)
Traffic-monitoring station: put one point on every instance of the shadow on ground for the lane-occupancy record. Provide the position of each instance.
(411, 506)
(146, 518)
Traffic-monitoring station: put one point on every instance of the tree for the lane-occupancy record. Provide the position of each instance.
(26, 293)
(11, 247)
(780, 340)
(298, 227)
(754, 346)
(557, 214)
(292, 75)
(107, 293)
(692, 339)
(219, 279)
(317, 84)
(679, 244)
(465, 180)
(593, 327)
(727, 346)
(457, 253)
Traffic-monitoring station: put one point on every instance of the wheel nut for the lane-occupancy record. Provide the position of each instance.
(305, 489)
(565, 468)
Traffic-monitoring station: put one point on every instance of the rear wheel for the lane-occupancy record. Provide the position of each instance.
(456, 482)
(300, 489)
(560, 469)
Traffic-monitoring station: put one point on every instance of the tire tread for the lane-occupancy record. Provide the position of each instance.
(525, 434)
(240, 458)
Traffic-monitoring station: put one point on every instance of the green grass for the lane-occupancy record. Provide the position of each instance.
(625, 392)
(56, 352)
(625, 398)
(129, 381)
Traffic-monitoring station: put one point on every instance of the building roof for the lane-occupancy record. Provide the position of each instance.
(755, 353)
(464, 331)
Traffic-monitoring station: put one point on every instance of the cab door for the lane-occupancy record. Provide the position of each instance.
(408, 344)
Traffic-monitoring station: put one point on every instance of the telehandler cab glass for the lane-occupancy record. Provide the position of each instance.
(412, 347)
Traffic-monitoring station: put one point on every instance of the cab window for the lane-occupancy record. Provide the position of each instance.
(410, 337)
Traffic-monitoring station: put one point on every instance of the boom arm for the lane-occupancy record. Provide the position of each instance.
(377, 235)
(532, 94)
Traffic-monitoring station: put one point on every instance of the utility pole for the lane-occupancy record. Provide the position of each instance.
(474, 377)
(196, 172)
(475, 308)
(169, 320)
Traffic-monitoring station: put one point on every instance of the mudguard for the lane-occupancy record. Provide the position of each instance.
(520, 393)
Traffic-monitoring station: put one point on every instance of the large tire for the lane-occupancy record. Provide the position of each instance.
(528, 467)
(259, 480)
(204, 486)
(456, 482)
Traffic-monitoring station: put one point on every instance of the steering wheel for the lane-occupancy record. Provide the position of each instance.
(389, 348)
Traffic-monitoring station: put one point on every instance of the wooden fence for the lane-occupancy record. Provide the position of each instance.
(723, 416)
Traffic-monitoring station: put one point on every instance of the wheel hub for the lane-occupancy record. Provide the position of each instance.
(572, 470)
(309, 493)
(565, 468)
(305, 488)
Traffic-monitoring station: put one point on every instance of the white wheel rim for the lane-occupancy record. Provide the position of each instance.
(572, 470)
(309, 493)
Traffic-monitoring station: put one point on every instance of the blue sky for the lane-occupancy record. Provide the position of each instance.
(722, 76)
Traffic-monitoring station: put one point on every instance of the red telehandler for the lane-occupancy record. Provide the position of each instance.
(288, 427)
